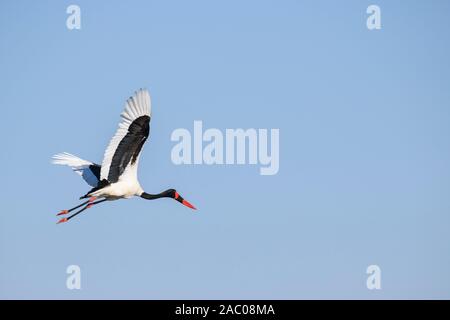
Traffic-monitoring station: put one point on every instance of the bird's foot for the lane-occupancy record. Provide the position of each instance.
(63, 212)
(62, 220)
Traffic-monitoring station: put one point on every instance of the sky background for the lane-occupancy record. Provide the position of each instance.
(364, 119)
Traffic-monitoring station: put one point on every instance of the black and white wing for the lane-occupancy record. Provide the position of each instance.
(89, 171)
(124, 148)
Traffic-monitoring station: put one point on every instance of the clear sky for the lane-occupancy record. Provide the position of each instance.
(364, 119)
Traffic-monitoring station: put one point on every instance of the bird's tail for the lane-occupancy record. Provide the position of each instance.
(67, 159)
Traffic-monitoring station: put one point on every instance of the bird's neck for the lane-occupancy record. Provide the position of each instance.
(149, 196)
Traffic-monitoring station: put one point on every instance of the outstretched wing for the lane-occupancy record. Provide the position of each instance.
(89, 171)
(125, 147)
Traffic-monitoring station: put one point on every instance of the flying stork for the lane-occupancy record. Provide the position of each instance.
(116, 177)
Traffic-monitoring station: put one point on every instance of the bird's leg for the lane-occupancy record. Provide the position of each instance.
(89, 204)
(91, 199)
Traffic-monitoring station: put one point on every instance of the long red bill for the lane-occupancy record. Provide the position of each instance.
(187, 204)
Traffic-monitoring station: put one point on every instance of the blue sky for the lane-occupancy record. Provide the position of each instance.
(364, 149)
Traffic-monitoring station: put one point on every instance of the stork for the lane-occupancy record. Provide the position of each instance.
(116, 178)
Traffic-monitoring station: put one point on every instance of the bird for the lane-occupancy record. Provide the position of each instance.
(116, 177)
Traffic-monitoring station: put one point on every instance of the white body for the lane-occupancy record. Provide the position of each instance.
(127, 186)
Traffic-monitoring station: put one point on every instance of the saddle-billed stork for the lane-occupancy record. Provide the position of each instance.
(116, 178)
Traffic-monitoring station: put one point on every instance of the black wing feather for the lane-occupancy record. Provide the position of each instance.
(95, 169)
(129, 147)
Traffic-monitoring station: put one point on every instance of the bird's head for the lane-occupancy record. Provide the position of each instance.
(170, 193)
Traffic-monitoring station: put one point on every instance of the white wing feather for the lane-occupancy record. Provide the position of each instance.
(78, 165)
(135, 107)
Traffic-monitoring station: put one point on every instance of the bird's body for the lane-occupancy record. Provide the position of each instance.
(125, 188)
(116, 178)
